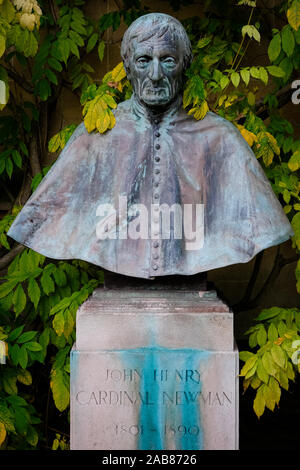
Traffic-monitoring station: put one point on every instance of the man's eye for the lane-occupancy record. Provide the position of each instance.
(143, 60)
(169, 60)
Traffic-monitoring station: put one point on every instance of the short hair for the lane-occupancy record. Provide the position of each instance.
(156, 24)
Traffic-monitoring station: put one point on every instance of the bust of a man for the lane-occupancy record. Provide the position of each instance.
(160, 193)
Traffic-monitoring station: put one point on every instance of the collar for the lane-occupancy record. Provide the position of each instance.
(143, 112)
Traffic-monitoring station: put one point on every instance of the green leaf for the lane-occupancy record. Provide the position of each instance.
(32, 436)
(274, 47)
(2, 45)
(255, 72)
(14, 354)
(274, 386)
(268, 313)
(92, 42)
(283, 379)
(7, 287)
(58, 323)
(235, 78)
(275, 71)
(45, 337)
(9, 380)
(269, 397)
(288, 40)
(23, 357)
(21, 420)
(19, 300)
(281, 328)
(9, 167)
(51, 76)
(43, 89)
(64, 49)
(259, 403)
(15, 333)
(253, 339)
(252, 32)
(261, 372)
(34, 292)
(33, 346)
(17, 158)
(272, 332)
(251, 361)
(269, 364)
(278, 355)
(60, 277)
(7, 10)
(47, 283)
(245, 74)
(262, 336)
(245, 355)
(27, 336)
(203, 42)
(101, 49)
(59, 384)
(55, 64)
(263, 75)
(6, 417)
(68, 324)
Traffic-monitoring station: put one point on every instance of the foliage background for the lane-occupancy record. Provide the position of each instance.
(59, 64)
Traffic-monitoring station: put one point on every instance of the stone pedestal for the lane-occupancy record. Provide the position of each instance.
(154, 370)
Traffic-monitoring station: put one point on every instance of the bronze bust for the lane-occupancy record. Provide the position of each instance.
(161, 193)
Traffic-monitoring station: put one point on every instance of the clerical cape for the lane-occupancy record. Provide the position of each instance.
(145, 160)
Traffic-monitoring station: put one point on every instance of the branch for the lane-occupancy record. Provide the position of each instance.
(34, 157)
(21, 81)
(6, 259)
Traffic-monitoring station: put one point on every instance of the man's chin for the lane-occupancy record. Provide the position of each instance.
(155, 102)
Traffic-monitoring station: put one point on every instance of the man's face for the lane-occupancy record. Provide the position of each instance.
(156, 70)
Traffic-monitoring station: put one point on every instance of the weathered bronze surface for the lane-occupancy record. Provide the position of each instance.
(156, 154)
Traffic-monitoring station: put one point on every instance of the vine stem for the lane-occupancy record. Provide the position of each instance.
(237, 54)
(242, 41)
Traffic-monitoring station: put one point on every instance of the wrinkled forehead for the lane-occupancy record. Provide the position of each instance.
(164, 44)
(155, 39)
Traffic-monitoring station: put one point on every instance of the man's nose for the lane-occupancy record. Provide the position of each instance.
(155, 72)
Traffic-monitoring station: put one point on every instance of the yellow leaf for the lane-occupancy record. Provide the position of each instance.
(222, 99)
(118, 73)
(273, 143)
(112, 120)
(294, 161)
(2, 45)
(92, 112)
(248, 136)
(2, 433)
(24, 376)
(60, 389)
(54, 143)
(201, 111)
(293, 15)
(103, 121)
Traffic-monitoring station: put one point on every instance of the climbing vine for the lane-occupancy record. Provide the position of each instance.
(45, 47)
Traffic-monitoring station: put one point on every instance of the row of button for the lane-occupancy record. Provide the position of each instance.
(156, 181)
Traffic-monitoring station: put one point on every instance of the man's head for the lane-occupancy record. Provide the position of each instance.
(156, 51)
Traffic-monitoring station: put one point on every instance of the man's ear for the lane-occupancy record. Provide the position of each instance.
(127, 69)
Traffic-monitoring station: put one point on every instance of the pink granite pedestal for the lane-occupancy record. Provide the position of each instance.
(154, 370)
